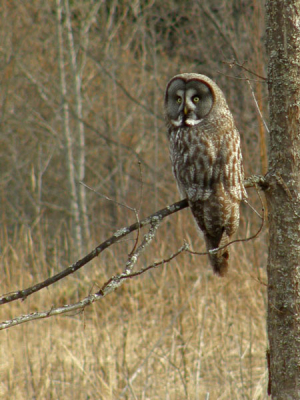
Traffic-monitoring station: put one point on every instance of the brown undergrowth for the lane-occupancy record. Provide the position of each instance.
(175, 332)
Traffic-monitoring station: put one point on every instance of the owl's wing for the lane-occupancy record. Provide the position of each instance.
(197, 192)
(231, 169)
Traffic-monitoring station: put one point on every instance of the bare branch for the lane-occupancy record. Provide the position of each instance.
(256, 181)
(122, 87)
(22, 294)
(221, 31)
(113, 283)
(107, 288)
(183, 248)
(107, 198)
(237, 64)
(253, 181)
(54, 311)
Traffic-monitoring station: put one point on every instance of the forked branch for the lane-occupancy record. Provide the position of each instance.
(114, 282)
(121, 233)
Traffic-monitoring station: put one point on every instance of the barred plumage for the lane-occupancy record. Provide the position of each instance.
(206, 159)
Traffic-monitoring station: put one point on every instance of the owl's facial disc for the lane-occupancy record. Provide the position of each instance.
(187, 107)
(190, 108)
(190, 102)
(179, 102)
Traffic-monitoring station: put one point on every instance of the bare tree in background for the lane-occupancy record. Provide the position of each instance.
(68, 136)
(75, 160)
(283, 45)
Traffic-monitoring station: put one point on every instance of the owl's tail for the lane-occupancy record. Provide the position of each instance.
(219, 259)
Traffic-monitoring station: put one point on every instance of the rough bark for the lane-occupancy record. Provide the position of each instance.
(283, 46)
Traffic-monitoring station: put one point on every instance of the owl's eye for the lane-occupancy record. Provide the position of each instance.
(179, 100)
(196, 99)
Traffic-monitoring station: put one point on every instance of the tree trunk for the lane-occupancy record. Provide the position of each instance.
(70, 163)
(77, 68)
(283, 46)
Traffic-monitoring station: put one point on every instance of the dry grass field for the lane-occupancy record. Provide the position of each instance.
(177, 332)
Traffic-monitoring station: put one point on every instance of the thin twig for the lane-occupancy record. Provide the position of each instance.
(257, 107)
(106, 197)
(238, 78)
(107, 288)
(163, 213)
(158, 263)
(238, 240)
(237, 64)
(121, 86)
(138, 209)
(114, 282)
(253, 181)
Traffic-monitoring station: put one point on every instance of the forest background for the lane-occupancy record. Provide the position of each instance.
(82, 85)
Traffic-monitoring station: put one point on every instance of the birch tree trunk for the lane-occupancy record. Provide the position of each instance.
(77, 231)
(80, 132)
(283, 197)
(71, 70)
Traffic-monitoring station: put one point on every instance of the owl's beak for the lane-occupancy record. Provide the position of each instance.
(185, 110)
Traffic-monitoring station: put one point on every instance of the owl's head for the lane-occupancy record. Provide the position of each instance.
(188, 99)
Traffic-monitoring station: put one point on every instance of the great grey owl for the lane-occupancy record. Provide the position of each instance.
(206, 159)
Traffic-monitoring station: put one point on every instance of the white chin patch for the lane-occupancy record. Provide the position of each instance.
(176, 122)
(191, 122)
